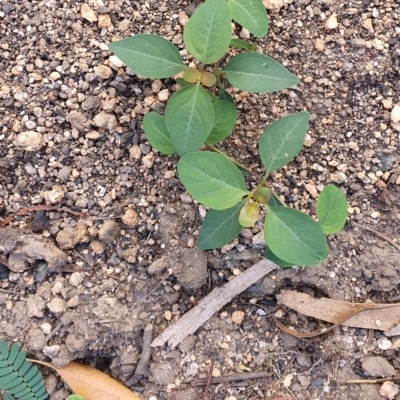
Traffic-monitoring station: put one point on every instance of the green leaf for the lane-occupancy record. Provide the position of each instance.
(148, 55)
(225, 120)
(275, 202)
(157, 134)
(294, 237)
(219, 227)
(331, 209)
(212, 179)
(224, 95)
(268, 254)
(14, 350)
(183, 83)
(239, 43)
(189, 118)
(208, 32)
(75, 397)
(258, 73)
(3, 349)
(251, 14)
(282, 140)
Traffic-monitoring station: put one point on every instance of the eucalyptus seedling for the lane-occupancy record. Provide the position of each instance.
(202, 113)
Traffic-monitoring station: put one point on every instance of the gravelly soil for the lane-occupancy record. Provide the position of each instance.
(70, 135)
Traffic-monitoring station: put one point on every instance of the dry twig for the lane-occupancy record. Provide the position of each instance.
(233, 377)
(381, 235)
(39, 208)
(142, 366)
(208, 382)
(212, 303)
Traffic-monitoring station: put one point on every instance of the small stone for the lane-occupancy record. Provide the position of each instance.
(105, 120)
(375, 214)
(109, 105)
(53, 196)
(46, 327)
(384, 343)
(377, 44)
(183, 18)
(353, 146)
(378, 367)
(115, 62)
(36, 339)
(389, 390)
(319, 44)
(130, 218)
(76, 278)
(55, 75)
(37, 111)
(123, 26)
(395, 114)
(97, 247)
(169, 174)
(103, 71)
(87, 13)
(108, 231)
(303, 360)
(168, 315)
(75, 343)
(69, 237)
(338, 177)
(93, 135)
(51, 351)
(312, 189)
(244, 34)
(56, 306)
(367, 24)
(129, 254)
(64, 173)
(73, 302)
(287, 381)
(35, 306)
(29, 141)
(135, 152)
(237, 317)
(275, 5)
(331, 22)
(387, 103)
(104, 21)
(163, 95)
(78, 120)
(148, 160)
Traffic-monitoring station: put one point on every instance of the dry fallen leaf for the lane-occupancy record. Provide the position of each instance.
(91, 383)
(88, 13)
(358, 315)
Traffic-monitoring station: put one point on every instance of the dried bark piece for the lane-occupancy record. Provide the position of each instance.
(23, 249)
(212, 303)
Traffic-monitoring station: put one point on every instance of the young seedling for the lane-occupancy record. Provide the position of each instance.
(202, 113)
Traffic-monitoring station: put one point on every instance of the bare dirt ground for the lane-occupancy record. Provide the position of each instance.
(71, 136)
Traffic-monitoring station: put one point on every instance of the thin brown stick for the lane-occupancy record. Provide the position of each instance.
(381, 235)
(212, 303)
(378, 380)
(142, 366)
(233, 377)
(53, 332)
(39, 208)
(8, 291)
(209, 377)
